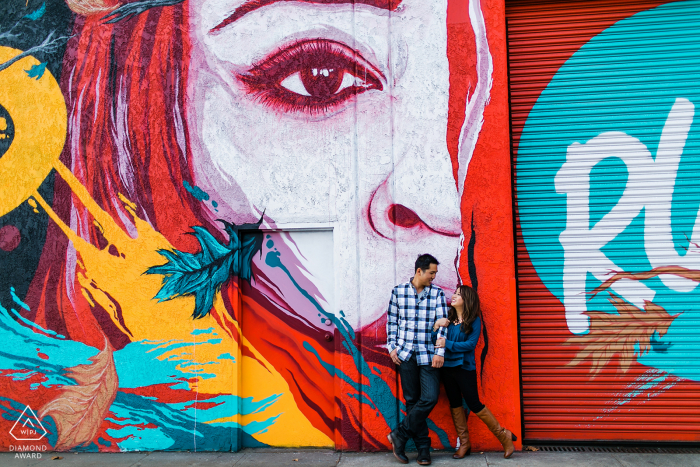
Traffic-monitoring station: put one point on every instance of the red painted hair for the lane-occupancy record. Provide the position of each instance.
(124, 86)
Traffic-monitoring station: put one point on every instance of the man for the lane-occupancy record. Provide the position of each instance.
(413, 309)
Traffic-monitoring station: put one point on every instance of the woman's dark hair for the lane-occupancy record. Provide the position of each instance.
(472, 308)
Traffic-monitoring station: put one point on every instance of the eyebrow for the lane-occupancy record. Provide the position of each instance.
(253, 5)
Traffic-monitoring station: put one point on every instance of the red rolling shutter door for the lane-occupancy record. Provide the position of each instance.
(562, 402)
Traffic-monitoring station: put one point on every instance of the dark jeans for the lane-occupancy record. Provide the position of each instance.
(461, 383)
(421, 386)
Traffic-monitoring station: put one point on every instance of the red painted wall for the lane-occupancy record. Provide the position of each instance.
(488, 200)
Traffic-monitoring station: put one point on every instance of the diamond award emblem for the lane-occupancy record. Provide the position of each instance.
(28, 427)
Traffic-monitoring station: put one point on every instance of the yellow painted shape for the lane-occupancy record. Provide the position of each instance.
(145, 318)
(39, 114)
(291, 428)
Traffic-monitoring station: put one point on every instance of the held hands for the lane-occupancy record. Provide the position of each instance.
(438, 361)
(440, 343)
(441, 323)
(395, 356)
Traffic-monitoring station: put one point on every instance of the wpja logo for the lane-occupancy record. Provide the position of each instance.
(28, 427)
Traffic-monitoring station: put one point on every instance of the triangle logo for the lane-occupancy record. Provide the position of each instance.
(28, 427)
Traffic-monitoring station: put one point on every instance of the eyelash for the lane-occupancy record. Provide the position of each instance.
(320, 58)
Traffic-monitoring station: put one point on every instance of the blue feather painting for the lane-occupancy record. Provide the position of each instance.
(202, 274)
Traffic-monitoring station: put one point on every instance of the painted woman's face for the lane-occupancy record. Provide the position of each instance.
(328, 113)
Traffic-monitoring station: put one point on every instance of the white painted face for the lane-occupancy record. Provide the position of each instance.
(330, 114)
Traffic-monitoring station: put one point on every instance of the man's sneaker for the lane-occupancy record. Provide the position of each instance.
(398, 445)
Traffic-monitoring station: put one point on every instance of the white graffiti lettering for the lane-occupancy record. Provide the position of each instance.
(650, 185)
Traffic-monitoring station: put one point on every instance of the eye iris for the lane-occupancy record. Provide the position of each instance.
(322, 82)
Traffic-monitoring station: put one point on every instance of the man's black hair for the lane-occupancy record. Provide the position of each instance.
(424, 261)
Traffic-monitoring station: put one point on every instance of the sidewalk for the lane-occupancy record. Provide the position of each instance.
(325, 458)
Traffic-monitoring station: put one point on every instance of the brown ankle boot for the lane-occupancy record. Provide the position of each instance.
(504, 436)
(460, 421)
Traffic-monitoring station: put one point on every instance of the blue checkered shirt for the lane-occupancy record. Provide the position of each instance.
(410, 322)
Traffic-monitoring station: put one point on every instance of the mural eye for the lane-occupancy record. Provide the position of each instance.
(321, 83)
(311, 77)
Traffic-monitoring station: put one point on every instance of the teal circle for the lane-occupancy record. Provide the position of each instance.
(625, 79)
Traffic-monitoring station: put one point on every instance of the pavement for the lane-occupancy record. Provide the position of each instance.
(328, 458)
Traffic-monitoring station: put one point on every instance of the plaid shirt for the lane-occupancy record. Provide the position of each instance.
(410, 322)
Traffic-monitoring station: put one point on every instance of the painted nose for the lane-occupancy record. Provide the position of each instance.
(401, 216)
(387, 213)
(405, 218)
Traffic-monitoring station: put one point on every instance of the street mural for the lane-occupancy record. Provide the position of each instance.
(614, 139)
(205, 204)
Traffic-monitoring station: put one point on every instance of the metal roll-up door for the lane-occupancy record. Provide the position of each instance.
(605, 108)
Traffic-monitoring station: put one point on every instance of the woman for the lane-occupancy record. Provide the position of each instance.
(463, 324)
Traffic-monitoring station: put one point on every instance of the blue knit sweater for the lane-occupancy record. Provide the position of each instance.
(459, 347)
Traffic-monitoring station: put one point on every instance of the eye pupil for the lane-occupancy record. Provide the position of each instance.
(321, 83)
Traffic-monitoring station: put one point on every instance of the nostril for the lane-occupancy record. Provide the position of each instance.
(401, 216)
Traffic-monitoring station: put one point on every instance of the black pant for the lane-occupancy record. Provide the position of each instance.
(461, 383)
(421, 387)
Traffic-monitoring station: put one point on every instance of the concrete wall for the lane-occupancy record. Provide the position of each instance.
(205, 206)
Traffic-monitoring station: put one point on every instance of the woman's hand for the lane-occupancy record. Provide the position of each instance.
(440, 343)
(441, 323)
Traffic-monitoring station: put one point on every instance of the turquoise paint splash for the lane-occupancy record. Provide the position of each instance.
(178, 426)
(143, 363)
(250, 406)
(16, 299)
(36, 71)
(200, 194)
(226, 356)
(22, 345)
(176, 429)
(36, 14)
(195, 191)
(34, 325)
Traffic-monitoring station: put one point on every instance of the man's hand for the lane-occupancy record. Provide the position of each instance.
(395, 357)
(438, 361)
(441, 323)
(440, 343)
